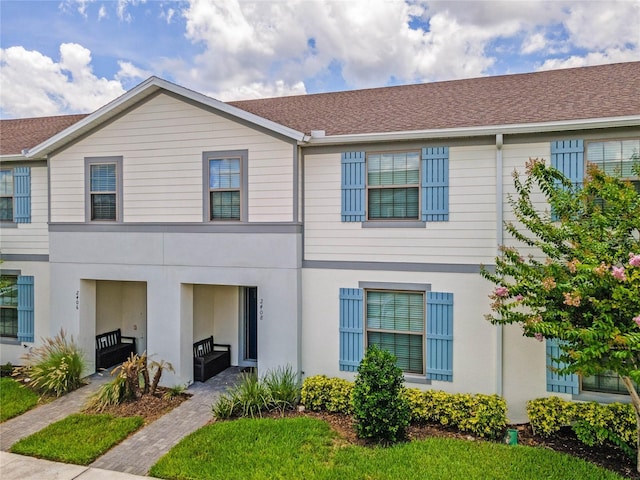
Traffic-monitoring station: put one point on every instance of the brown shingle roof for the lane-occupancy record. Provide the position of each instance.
(556, 95)
(18, 134)
(577, 93)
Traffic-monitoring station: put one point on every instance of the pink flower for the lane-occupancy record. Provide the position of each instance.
(634, 260)
(618, 273)
(501, 292)
(518, 298)
(539, 336)
(637, 320)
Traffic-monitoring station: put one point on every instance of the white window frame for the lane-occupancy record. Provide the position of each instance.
(12, 197)
(417, 186)
(243, 157)
(12, 307)
(88, 163)
(418, 291)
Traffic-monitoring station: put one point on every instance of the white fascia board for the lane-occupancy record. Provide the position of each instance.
(138, 93)
(18, 157)
(542, 127)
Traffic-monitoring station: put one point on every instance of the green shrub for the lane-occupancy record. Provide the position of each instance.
(593, 423)
(331, 394)
(55, 367)
(381, 412)
(482, 415)
(6, 370)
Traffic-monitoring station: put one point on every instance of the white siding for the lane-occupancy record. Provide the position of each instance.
(468, 236)
(515, 158)
(30, 238)
(161, 143)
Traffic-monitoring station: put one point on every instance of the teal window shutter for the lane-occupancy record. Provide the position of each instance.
(25, 308)
(567, 156)
(22, 194)
(435, 184)
(440, 336)
(353, 186)
(351, 329)
(555, 382)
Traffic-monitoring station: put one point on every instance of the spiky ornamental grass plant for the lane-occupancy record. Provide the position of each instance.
(583, 288)
(55, 367)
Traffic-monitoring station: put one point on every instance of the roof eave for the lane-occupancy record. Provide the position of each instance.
(14, 157)
(524, 128)
(142, 91)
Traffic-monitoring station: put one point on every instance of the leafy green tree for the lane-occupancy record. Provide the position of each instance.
(583, 286)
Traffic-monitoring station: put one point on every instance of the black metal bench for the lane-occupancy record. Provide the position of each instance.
(209, 359)
(112, 348)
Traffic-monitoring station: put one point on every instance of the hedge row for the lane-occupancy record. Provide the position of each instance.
(593, 423)
(481, 415)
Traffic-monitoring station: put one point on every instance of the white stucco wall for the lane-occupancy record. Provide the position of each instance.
(170, 290)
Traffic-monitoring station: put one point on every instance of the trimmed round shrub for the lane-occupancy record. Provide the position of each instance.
(381, 410)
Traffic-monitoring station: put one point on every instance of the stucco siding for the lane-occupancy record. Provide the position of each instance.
(161, 142)
(30, 238)
(468, 236)
(474, 362)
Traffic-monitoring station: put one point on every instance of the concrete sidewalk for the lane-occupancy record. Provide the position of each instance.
(19, 467)
(128, 460)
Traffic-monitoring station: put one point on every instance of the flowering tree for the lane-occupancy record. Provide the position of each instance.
(583, 286)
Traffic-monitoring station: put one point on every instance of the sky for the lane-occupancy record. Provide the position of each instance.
(74, 56)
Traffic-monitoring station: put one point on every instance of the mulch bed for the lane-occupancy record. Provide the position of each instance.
(149, 407)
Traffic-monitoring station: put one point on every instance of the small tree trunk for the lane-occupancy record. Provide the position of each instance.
(635, 401)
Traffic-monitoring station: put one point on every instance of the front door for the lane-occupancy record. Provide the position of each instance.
(251, 324)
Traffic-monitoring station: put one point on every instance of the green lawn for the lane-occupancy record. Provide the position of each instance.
(15, 398)
(78, 439)
(306, 448)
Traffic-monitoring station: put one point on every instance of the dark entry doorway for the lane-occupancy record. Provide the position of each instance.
(251, 324)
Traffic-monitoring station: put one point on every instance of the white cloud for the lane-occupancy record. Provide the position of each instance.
(260, 90)
(534, 43)
(122, 9)
(32, 84)
(372, 42)
(248, 49)
(128, 71)
(612, 55)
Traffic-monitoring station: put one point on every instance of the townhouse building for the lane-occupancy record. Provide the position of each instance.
(301, 229)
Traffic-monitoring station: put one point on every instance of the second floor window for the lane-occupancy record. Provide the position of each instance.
(224, 188)
(103, 191)
(393, 186)
(619, 158)
(6, 195)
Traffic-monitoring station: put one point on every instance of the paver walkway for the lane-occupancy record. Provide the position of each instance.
(139, 452)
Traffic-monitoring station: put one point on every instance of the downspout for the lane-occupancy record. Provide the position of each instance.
(500, 242)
